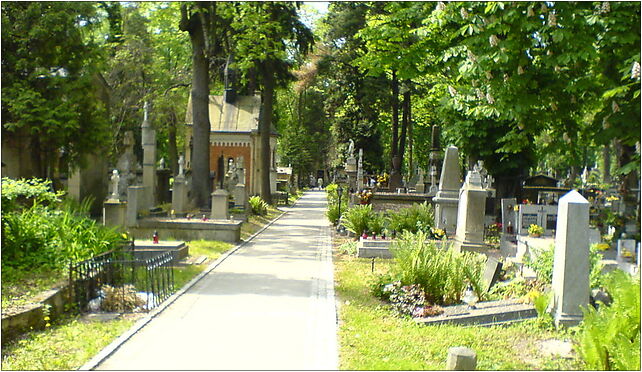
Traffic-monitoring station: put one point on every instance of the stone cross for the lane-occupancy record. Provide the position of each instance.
(571, 260)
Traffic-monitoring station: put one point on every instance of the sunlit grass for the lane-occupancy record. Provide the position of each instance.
(255, 223)
(373, 338)
(66, 346)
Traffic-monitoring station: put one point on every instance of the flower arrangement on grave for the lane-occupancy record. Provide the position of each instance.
(365, 197)
(535, 230)
(492, 233)
(383, 179)
(437, 233)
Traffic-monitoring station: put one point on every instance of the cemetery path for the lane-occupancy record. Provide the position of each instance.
(268, 306)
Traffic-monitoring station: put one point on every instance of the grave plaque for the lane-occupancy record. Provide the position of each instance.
(551, 221)
(491, 272)
(529, 219)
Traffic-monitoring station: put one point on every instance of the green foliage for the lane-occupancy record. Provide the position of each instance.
(418, 217)
(258, 205)
(349, 248)
(357, 218)
(609, 338)
(48, 91)
(45, 237)
(26, 192)
(376, 223)
(441, 273)
(543, 265)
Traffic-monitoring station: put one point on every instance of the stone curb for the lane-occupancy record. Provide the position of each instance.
(114, 345)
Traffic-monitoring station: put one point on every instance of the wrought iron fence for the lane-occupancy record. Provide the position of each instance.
(133, 284)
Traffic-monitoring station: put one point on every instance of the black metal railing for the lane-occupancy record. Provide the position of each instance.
(151, 280)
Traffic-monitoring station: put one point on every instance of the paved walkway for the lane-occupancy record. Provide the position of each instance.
(268, 306)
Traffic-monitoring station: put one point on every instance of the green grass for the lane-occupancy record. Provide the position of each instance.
(209, 248)
(255, 223)
(373, 338)
(23, 289)
(66, 346)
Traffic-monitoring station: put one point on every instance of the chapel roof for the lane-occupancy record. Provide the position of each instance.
(242, 116)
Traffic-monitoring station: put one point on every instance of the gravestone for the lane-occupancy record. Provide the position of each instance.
(148, 139)
(541, 215)
(420, 185)
(571, 260)
(461, 359)
(507, 242)
(360, 171)
(179, 190)
(491, 272)
(220, 207)
(125, 165)
(470, 214)
(447, 197)
(436, 152)
(432, 191)
(134, 195)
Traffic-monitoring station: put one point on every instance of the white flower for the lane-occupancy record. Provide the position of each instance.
(493, 40)
(463, 12)
(452, 91)
(530, 12)
(490, 98)
(471, 56)
(520, 125)
(489, 75)
(520, 70)
(606, 7)
(479, 93)
(615, 107)
(441, 6)
(635, 70)
(552, 19)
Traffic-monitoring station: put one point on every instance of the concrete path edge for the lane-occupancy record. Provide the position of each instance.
(114, 345)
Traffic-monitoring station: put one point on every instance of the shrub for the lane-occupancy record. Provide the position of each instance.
(333, 213)
(418, 217)
(441, 273)
(349, 248)
(376, 223)
(356, 218)
(333, 202)
(609, 338)
(258, 205)
(48, 238)
(24, 193)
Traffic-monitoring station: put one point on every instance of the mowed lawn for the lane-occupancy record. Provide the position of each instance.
(372, 338)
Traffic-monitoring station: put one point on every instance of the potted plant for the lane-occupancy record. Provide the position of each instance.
(535, 231)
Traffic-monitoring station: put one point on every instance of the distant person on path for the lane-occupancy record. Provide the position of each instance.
(320, 183)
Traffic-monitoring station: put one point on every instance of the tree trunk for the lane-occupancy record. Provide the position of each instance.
(200, 111)
(405, 119)
(606, 163)
(395, 117)
(172, 148)
(265, 123)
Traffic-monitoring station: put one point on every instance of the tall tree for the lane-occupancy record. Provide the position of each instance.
(48, 96)
(265, 33)
(197, 20)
